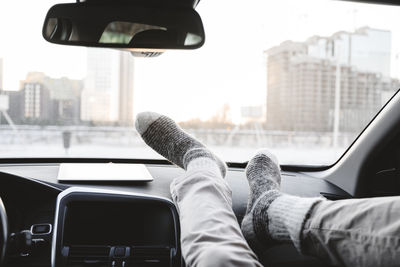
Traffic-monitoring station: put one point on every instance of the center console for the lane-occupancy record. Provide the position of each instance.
(114, 229)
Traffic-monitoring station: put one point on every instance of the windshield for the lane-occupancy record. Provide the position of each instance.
(302, 78)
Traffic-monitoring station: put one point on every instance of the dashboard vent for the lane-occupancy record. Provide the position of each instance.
(87, 256)
(151, 256)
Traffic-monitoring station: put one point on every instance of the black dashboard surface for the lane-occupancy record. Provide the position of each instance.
(30, 192)
(293, 183)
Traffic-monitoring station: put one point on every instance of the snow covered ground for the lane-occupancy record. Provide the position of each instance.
(298, 156)
(299, 149)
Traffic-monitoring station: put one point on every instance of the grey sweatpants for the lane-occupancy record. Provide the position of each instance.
(357, 232)
(354, 232)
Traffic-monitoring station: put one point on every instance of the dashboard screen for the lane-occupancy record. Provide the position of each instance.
(118, 223)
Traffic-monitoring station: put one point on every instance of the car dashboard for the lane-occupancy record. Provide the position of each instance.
(118, 223)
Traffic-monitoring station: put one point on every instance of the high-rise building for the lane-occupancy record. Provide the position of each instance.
(125, 106)
(108, 90)
(96, 106)
(100, 93)
(36, 99)
(366, 49)
(45, 100)
(302, 81)
(64, 95)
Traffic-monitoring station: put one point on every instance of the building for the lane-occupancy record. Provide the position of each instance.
(45, 100)
(30, 104)
(125, 107)
(16, 105)
(96, 106)
(252, 114)
(108, 90)
(64, 99)
(301, 81)
(365, 49)
(36, 103)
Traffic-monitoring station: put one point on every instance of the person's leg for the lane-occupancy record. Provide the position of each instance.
(358, 232)
(272, 215)
(210, 233)
(354, 232)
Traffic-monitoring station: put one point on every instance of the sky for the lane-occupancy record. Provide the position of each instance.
(229, 69)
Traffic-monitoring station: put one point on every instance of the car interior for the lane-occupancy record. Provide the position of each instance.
(86, 211)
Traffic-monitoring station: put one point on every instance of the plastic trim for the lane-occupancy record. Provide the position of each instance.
(72, 190)
(4, 223)
(49, 232)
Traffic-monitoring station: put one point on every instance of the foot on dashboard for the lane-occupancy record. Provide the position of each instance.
(264, 177)
(271, 215)
(163, 135)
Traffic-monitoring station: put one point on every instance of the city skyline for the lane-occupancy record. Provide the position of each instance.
(304, 78)
(45, 101)
(107, 94)
(227, 65)
(42, 99)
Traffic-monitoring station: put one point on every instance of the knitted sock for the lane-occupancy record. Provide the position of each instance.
(169, 140)
(272, 215)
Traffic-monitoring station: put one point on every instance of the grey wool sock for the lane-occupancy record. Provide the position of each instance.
(163, 135)
(271, 215)
(263, 175)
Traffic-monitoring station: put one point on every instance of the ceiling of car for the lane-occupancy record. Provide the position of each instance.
(179, 3)
(382, 2)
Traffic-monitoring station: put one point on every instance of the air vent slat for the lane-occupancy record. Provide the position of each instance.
(88, 255)
(100, 256)
(150, 256)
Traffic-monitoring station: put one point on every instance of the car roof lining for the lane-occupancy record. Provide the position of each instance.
(178, 3)
(378, 2)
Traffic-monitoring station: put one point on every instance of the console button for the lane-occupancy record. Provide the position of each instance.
(40, 229)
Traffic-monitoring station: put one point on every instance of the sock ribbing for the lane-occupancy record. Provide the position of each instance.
(163, 135)
(286, 217)
(263, 175)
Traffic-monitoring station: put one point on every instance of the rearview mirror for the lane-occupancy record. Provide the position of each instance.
(124, 25)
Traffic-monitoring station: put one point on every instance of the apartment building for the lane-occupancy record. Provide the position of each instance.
(301, 81)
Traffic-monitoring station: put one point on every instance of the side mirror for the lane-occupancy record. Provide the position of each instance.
(124, 25)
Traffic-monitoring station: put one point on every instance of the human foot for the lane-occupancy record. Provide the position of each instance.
(163, 135)
(263, 175)
(272, 215)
